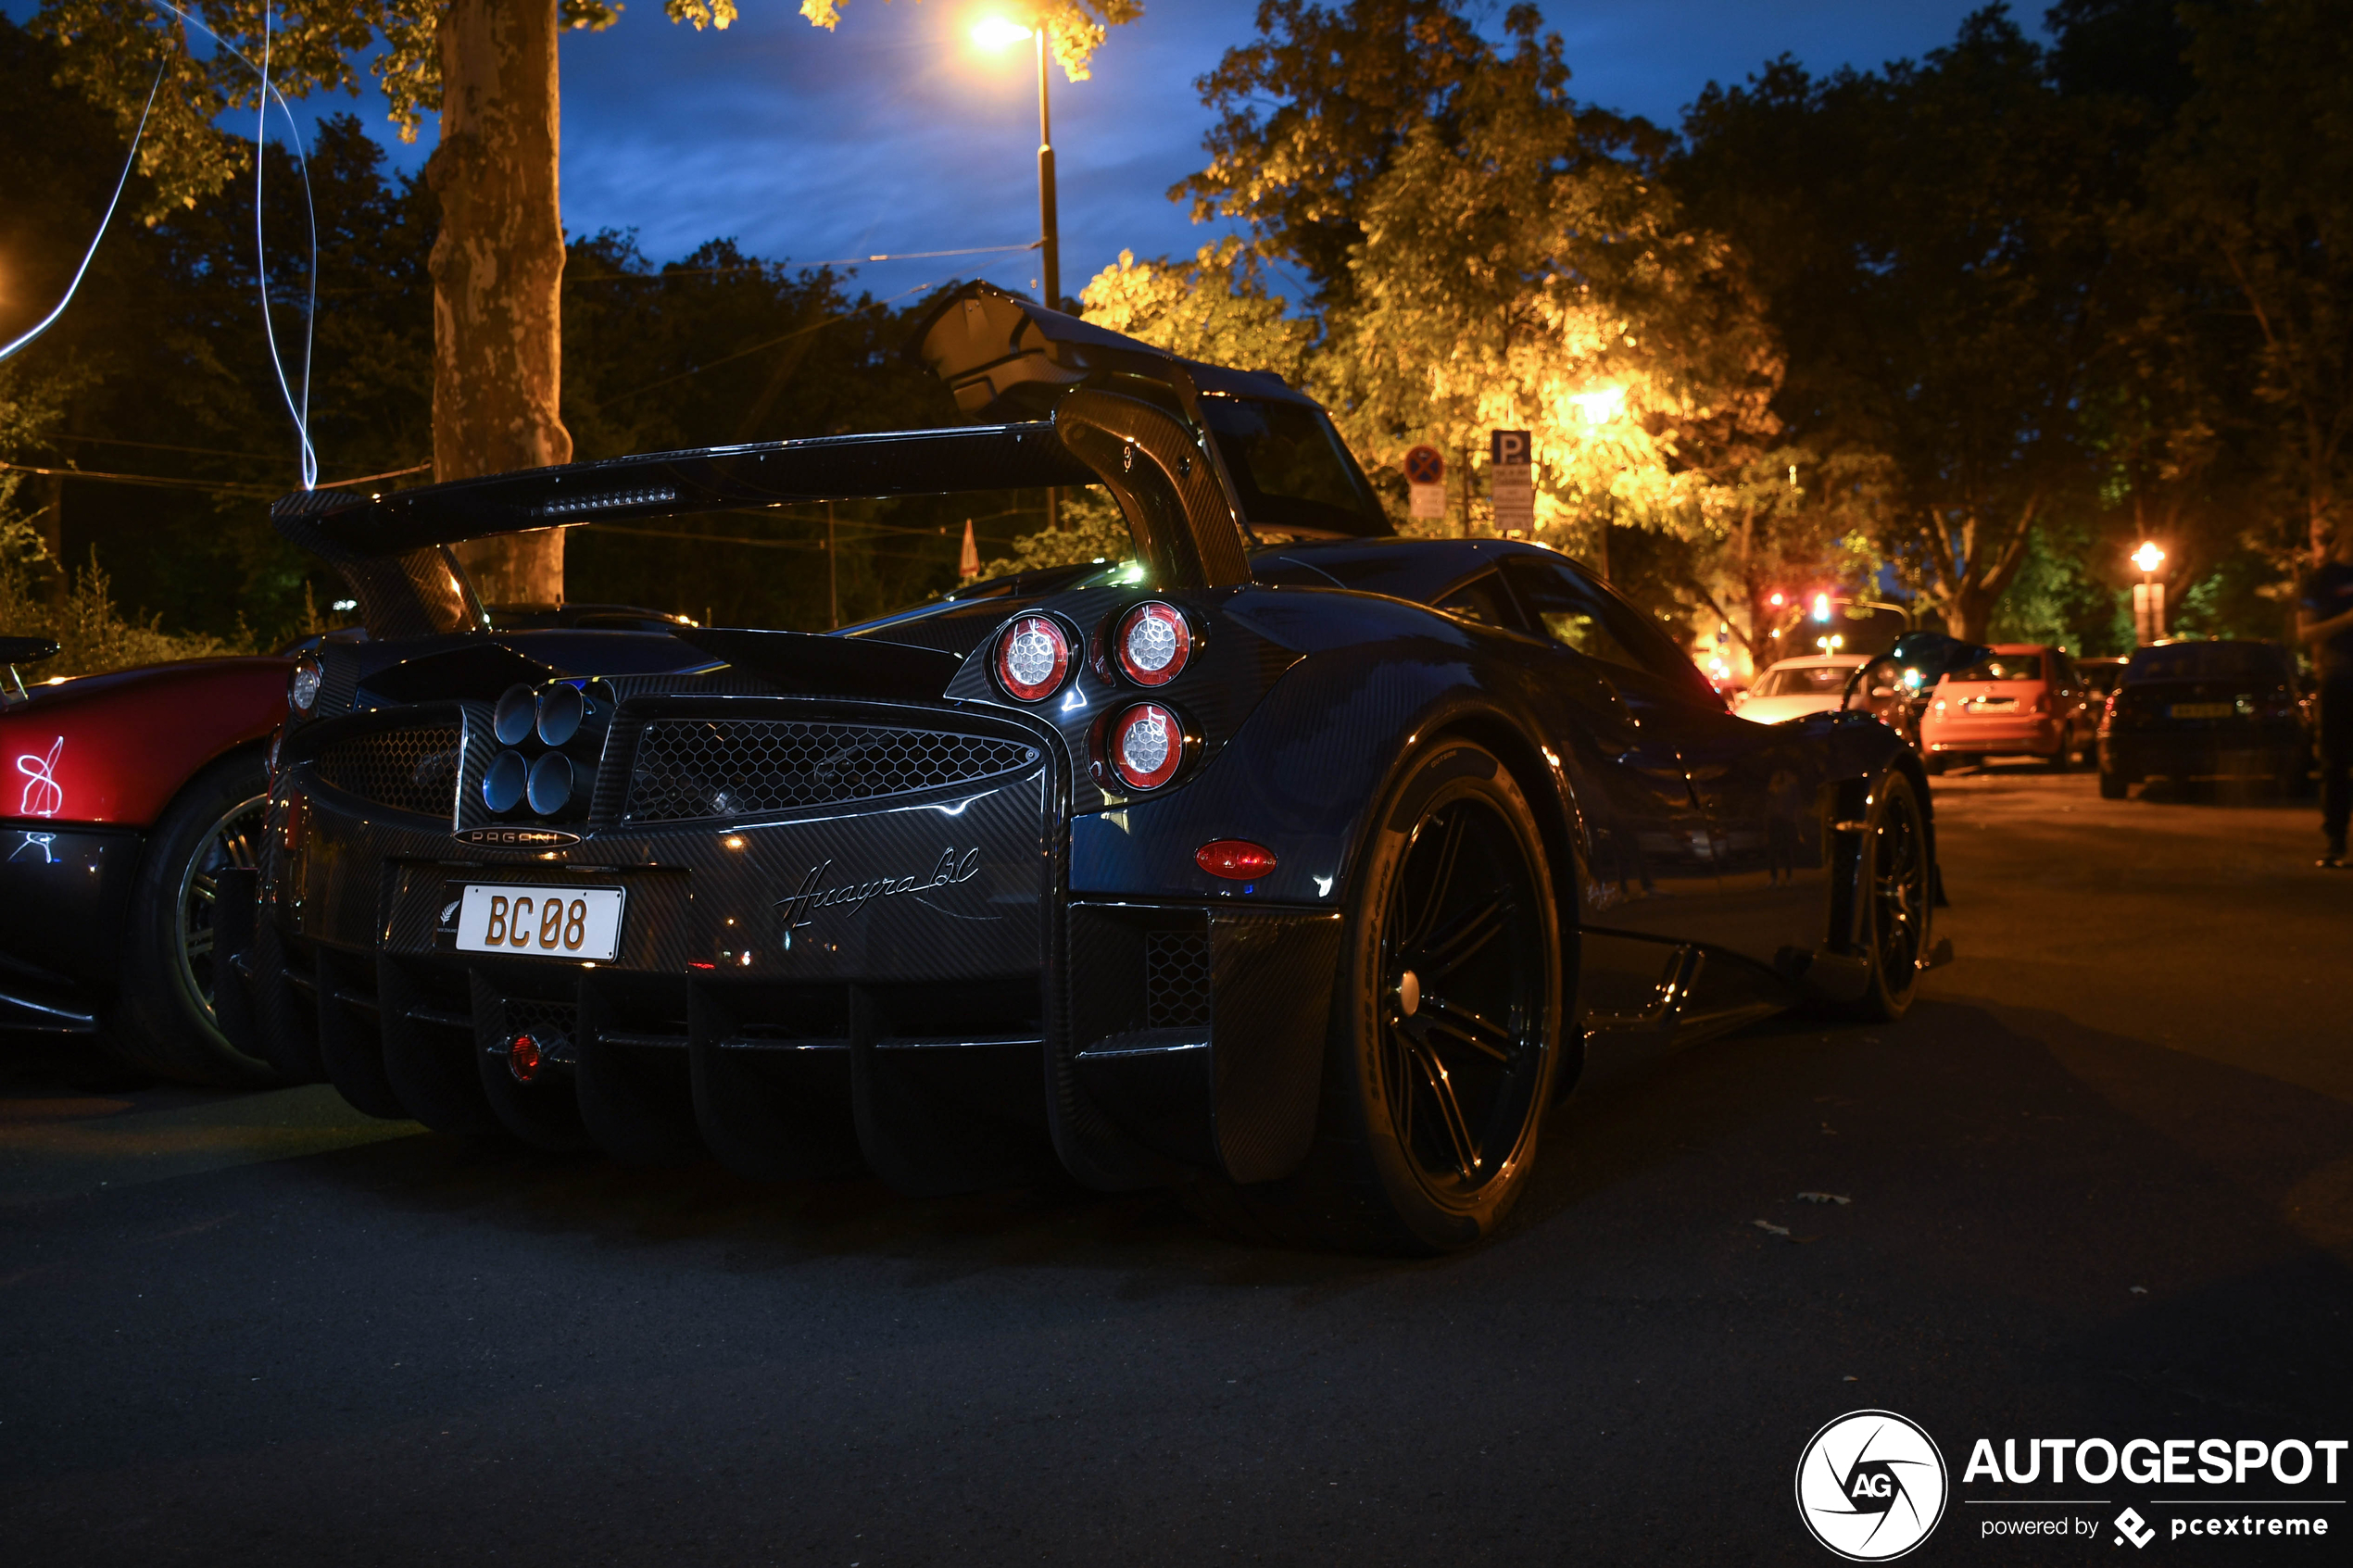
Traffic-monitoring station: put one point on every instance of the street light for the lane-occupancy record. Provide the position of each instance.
(2148, 595)
(1000, 33)
(1599, 407)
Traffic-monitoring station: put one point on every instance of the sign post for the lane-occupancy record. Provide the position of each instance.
(1426, 483)
(1510, 482)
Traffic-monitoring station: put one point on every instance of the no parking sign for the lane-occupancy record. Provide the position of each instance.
(1426, 482)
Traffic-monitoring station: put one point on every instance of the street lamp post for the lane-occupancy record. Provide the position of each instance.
(2148, 595)
(1048, 234)
(995, 32)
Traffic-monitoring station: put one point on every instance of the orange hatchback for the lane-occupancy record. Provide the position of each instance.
(2022, 698)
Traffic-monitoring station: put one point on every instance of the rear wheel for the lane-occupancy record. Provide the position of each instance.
(2064, 757)
(163, 1017)
(1445, 1026)
(1897, 899)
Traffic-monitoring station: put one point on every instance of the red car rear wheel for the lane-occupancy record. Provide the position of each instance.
(162, 1018)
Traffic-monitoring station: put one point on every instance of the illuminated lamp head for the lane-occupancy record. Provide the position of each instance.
(302, 685)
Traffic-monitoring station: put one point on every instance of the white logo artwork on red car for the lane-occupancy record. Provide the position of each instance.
(41, 796)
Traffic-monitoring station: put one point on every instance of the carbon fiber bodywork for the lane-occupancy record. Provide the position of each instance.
(874, 909)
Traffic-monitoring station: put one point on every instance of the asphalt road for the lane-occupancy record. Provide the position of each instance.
(2101, 1183)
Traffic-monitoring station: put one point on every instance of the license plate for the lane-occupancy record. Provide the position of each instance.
(555, 922)
(1990, 704)
(2201, 710)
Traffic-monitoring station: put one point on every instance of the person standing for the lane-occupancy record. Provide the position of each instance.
(2325, 619)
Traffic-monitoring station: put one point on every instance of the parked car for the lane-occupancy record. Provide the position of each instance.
(2187, 709)
(2021, 699)
(1792, 688)
(133, 790)
(2100, 676)
(1291, 863)
(128, 794)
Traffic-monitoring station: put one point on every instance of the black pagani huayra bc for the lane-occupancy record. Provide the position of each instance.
(1291, 863)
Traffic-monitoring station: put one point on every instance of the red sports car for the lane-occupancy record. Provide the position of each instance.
(124, 795)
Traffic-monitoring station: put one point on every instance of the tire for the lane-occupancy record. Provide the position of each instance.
(1433, 1094)
(2064, 757)
(162, 1014)
(2112, 786)
(1898, 903)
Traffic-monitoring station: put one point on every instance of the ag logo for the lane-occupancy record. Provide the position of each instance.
(1871, 1486)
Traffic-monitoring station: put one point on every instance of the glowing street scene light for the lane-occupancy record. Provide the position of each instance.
(998, 32)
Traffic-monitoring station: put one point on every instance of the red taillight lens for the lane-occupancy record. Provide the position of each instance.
(1032, 656)
(523, 1058)
(1153, 644)
(1146, 746)
(1237, 859)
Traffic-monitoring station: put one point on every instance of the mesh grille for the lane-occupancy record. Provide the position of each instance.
(1176, 979)
(693, 767)
(407, 770)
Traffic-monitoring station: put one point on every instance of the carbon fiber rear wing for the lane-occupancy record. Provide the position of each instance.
(392, 547)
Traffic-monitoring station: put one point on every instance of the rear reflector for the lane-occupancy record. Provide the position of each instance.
(1237, 859)
(523, 1058)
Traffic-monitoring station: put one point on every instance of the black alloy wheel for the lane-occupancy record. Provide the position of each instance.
(163, 1017)
(1463, 988)
(229, 844)
(1897, 904)
(1446, 1024)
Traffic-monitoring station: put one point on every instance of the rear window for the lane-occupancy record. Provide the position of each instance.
(2003, 667)
(2209, 661)
(1290, 470)
(1804, 683)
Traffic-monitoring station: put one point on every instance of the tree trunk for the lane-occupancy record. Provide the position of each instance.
(497, 274)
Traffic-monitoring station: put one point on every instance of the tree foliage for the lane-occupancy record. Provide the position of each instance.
(1933, 240)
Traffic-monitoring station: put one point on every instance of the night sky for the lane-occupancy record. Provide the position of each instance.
(895, 133)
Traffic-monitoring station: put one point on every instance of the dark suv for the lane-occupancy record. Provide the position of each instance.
(2186, 708)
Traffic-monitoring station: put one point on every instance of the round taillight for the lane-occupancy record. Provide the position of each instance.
(1146, 745)
(1034, 655)
(1154, 643)
(302, 685)
(1237, 859)
(523, 1058)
